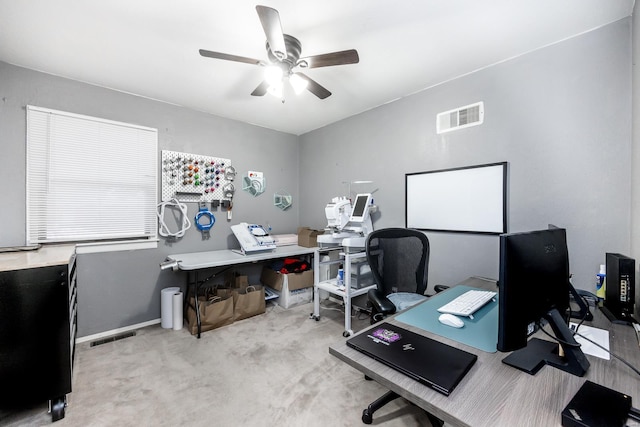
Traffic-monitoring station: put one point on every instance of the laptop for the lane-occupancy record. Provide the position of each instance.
(427, 361)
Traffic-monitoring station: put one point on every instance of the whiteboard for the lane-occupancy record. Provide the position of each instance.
(469, 199)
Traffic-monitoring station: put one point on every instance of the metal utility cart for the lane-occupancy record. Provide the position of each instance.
(346, 292)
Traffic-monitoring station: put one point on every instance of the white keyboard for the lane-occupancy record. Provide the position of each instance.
(468, 303)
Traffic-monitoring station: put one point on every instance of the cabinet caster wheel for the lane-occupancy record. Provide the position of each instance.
(367, 418)
(346, 334)
(312, 316)
(57, 408)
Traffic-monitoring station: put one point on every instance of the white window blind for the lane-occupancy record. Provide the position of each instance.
(89, 179)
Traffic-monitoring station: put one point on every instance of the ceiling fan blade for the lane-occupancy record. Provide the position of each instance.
(328, 59)
(270, 20)
(227, 57)
(315, 88)
(261, 90)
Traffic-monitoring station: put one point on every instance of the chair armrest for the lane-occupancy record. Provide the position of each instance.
(380, 302)
(440, 288)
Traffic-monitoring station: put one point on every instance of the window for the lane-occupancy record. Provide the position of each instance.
(89, 179)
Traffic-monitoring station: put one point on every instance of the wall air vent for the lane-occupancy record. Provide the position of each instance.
(463, 117)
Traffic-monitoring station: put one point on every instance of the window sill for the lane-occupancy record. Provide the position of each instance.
(92, 248)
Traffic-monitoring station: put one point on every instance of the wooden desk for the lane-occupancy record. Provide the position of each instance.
(494, 394)
(195, 261)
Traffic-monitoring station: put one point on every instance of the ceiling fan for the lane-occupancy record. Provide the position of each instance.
(285, 62)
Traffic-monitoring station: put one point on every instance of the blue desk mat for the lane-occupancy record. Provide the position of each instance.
(480, 332)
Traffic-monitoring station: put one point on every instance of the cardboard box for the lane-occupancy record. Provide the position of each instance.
(290, 299)
(292, 281)
(308, 237)
(233, 280)
(292, 289)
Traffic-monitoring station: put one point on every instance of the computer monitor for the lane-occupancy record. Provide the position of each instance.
(361, 206)
(534, 285)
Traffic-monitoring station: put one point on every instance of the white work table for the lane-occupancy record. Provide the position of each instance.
(194, 261)
(226, 257)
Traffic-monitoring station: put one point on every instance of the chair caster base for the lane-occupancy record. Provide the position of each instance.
(367, 418)
(377, 317)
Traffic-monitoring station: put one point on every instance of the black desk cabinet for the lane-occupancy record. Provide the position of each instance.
(37, 335)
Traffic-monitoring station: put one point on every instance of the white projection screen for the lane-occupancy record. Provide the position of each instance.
(467, 200)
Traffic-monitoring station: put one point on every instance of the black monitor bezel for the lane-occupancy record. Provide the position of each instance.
(534, 284)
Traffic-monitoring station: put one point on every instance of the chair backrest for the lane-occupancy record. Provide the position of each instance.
(399, 259)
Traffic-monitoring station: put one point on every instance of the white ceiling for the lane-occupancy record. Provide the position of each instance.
(150, 47)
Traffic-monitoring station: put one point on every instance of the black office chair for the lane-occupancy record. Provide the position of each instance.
(399, 261)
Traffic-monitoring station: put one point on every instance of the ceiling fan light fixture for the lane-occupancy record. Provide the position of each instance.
(273, 75)
(298, 83)
(284, 56)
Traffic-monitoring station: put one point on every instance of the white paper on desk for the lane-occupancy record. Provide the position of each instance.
(601, 336)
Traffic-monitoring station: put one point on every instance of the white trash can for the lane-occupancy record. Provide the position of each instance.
(166, 306)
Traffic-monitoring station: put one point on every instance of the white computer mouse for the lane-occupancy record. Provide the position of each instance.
(451, 320)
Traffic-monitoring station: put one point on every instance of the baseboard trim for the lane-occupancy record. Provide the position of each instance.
(116, 331)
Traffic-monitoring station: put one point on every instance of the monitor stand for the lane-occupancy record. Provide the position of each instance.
(584, 312)
(539, 352)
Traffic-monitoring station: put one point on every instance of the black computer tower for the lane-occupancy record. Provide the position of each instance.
(620, 288)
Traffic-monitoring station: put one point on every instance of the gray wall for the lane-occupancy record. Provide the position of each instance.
(561, 116)
(119, 289)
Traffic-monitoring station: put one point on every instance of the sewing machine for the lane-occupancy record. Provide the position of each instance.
(348, 226)
(253, 238)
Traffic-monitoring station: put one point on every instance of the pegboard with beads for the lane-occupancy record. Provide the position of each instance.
(194, 178)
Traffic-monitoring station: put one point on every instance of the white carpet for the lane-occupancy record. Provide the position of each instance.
(270, 370)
